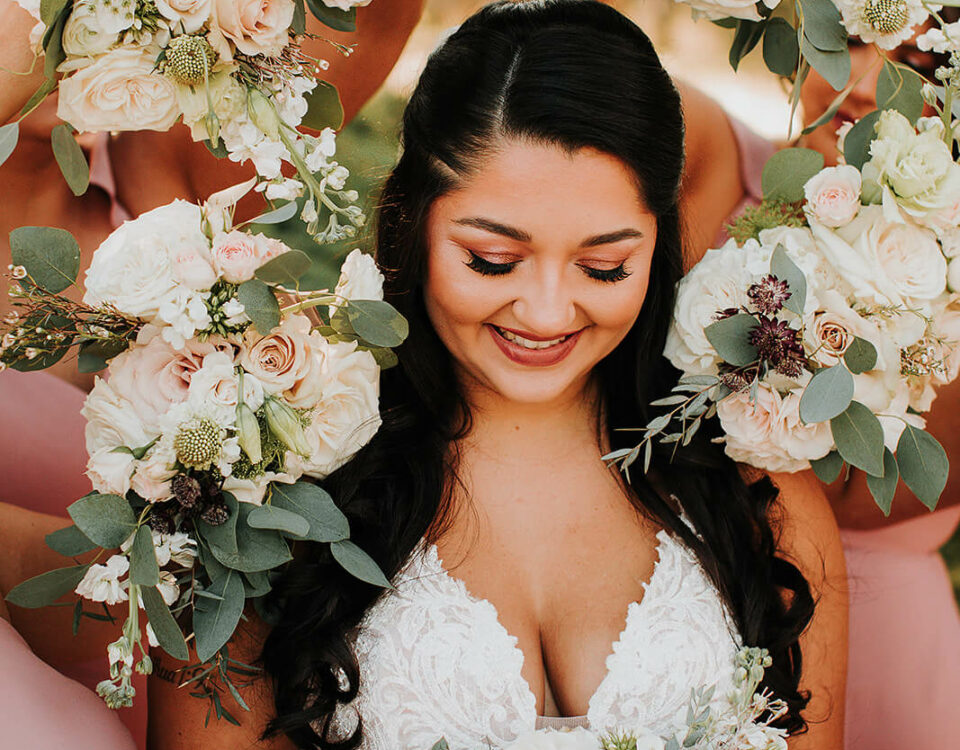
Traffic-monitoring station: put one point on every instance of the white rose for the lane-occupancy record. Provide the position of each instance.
(833, 195)
(946, 324)
(252, 490)
(554, 739)
(101, 583)
(280, 359)
(216, 384)
(112, 421)
(119, 91)
(83, 35)
(109, 471)
(911, 258)
(188, 15)
(151, 481)
(135, 268)
(749, 431)
(716, 9)
(359, 278)
(256, 27)
(346, 4)
(799, 440)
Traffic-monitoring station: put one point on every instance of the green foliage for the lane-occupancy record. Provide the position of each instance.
(856, 144)
(52, 41)
(827, 468)
(277, 216)
(859, 438)
(299, 23)
(884, 488)
(94, 355)
(70, 158)
(285, 269)
(833, 66)
(38, 96)
(861, 356)
(358, 563)
(781, 53)
(923, 464)
(899, 88)
(144, 570)
(9, 135)
(787, 171)
(827, 395)
(324, 108)
(215, 619)
(822, 25)
(260, 304)
(441, 744)
(744, 40)
(69, 541)
(256, 584)
(327, 522)
(256, 549)
(376, 322)
(46, 588)
(50, 255)
(336, 19)
(785, 269)
(731, 338)
(769, 214)
(106, 520)
(280, 519)
(163, 623)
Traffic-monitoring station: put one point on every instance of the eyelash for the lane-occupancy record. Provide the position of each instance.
(489, 268)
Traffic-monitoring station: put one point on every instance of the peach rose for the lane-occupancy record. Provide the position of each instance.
(256, 27)
(833, 195)
(280, 359)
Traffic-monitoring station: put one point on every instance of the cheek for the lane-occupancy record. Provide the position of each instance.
(453, 299)
(614, 309)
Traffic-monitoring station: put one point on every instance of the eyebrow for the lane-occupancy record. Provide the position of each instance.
(495, 227)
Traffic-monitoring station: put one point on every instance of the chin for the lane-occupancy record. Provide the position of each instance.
(535, 388)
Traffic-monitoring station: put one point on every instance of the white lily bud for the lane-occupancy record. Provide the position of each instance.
(263, 114)
(285, 423)
(248, 433)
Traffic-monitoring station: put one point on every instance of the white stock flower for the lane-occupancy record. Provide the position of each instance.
(346, 4)
(152, 637)
(177, 547)
(228, 97)
(83, 34)
(833, 195)
(326, 147)
(336, 178)
(553, 739)
(359, 278)
(188, 15)
(184, 315)
(216, 384)
(886, 24)
(114, 16)
(119, 91)
(253, 490)
(101, 583)
(940, 40)
(168, 587)
(256, 27)
(287, 189)
(714, 10)
(109, 471)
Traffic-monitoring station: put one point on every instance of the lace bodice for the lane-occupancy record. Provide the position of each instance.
(435, 661)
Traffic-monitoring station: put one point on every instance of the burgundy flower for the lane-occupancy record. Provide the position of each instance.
(726, 313)
(778, 344)
(736, 380)
(769, 294)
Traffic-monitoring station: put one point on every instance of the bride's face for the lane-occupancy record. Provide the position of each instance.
(538, 266)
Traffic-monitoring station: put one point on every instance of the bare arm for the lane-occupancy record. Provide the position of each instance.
(16, 57)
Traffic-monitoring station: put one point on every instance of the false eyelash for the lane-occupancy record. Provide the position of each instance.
(488, 268)
(611, 275)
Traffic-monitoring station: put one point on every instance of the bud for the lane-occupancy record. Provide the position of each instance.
(18, 272)
(248, 433)
(263, 114)
(145, 665)
(216, 514)
(189, 59)
(212, 124)
(285, 423)
(929, 94)
(186, 490)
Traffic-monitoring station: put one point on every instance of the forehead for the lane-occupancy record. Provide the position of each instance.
(544, 188)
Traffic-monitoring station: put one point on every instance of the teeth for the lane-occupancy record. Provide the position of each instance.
(527, 343)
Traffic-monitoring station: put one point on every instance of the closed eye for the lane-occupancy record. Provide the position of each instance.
(488, 268)
(607, 274)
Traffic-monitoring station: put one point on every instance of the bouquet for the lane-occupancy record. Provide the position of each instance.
(741, 721)
(233, 71)
(227, 388)
(820, 340)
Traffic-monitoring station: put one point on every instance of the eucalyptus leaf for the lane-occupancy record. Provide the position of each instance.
(144, 570)
(859, 438)
(830, 111)
(899, 88)
(223, 538)
(9, 135)
(385, 357)
(257, 549)
(884, 488)
(358, 563)
(827, 468)
(923, 464)
(219, 151)
(327, 522)
(299, 23)
(70, 158)
(441, 744)
(860, 356)
(46, 588)
(38, 96)
(280, 519)
(214, 621)
(822, 25)
(377, 322)
(50, 9)
(106, 520)
(787, 171)
(256, 584)
(50, 255)
(95, 355)
(336, 19)
(747, 35)
(827, 395)
(324, 108)
(69, 541)
(53, 53)
(731, 338)
(781, 53)
(277, 216)
(260, 305)
(163, 624)
(783, 267)
(856, 144)
(285, 269)
(833, 66)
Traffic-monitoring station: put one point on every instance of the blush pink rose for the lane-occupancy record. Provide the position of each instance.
(833, 195)
(237, 255)
(256, 27)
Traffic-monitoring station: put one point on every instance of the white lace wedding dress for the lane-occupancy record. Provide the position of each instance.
(435, 661)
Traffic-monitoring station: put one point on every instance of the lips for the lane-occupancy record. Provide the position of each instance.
(533, 351)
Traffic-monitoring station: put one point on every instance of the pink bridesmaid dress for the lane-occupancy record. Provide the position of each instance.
(903, 679)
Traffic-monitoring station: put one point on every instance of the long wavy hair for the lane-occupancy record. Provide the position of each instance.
(575, 74)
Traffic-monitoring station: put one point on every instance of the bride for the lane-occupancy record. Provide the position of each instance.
(531, 235)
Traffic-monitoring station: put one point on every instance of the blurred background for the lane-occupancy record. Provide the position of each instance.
(694, 51)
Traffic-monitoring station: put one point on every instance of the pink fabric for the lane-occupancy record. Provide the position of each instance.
(754, 152)
(101, 173)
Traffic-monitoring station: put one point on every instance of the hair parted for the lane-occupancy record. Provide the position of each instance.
(575, 74)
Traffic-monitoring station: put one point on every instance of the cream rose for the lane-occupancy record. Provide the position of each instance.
(346, 4)
(151, 481)
(911, 258)
(280, 359)
(110, 470)
(253, 490)
(798, 440)
(716, 9)
(217, 384)
(188, 15)
(119, 91)
(833, 195)
(112, 421)
(256, 27)
(83, 35)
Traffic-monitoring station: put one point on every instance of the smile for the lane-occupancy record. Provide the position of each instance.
(531, 343)
(531, 351)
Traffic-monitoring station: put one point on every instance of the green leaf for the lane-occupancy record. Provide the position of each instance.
(358, 563)
(744, 40)
(827, 468)
(53, 42)
(377, 322)
(856, 144)
(884, 488)
(223, 538)
(144, 570)
(70, 158)
(731, 338)
(783, 267)
(279, 519)
(787, 171)
(95, 355)
(830, 111)
(860, 356)
(327, 522)
(256, 584)
(859, 438)
(219, 151)
(827, 395)
(214, 621)
(923, 464)
(9, 135)
(823, 26)
(48, 85)
(50, 255)
(833, 66)
(781, 53)
(279, 215)
(441, 744)
(106, 520)
(385, 357)
(324, 108)
(46, 588)
(260, 304)
(257, 549)
(41, 362)
(899, 88)
(336, 19)
(285, 269)
(50, 9)
(69, 541)
(163, 624)
(299, 24)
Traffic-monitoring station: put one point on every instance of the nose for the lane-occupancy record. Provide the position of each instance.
(546, 306)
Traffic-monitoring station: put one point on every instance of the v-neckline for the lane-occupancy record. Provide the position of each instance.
(662, 536)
